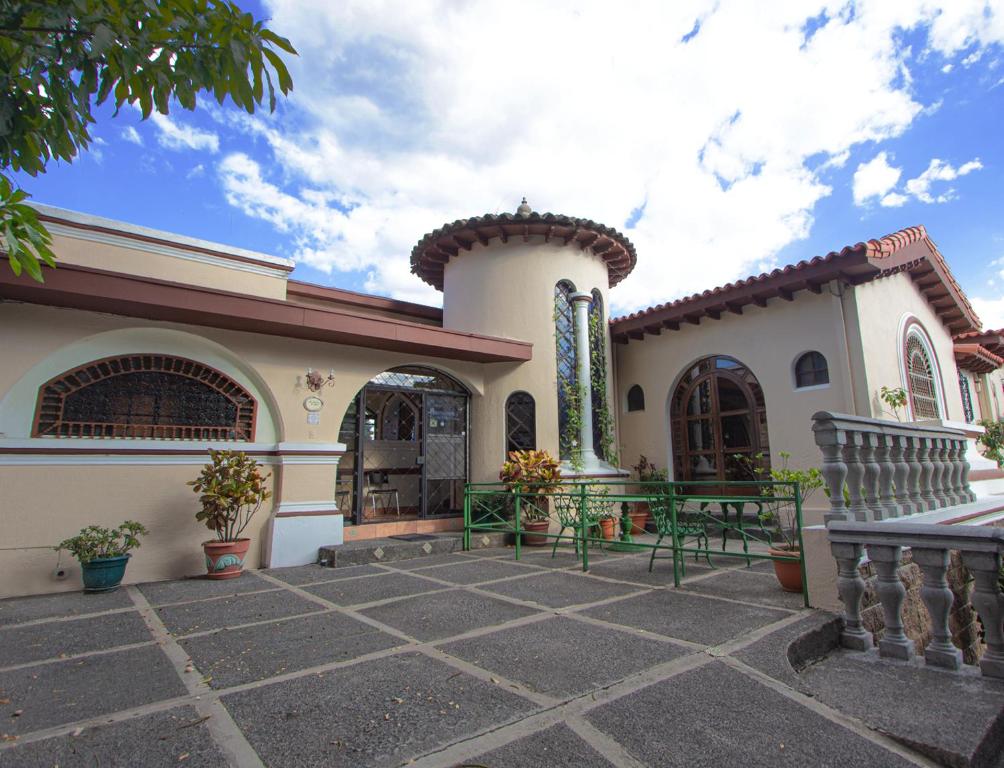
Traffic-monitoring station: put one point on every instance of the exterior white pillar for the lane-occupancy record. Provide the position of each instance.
(587, 453)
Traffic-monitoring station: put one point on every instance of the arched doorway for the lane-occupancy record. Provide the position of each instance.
(406, 447)
(719, 422)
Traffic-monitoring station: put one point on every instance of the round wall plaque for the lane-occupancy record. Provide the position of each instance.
(313, 403)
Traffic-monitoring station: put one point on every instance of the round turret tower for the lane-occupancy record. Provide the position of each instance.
(541, 278)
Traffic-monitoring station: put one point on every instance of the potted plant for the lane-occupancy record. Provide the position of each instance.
(647, 472)
(782, 515)
(231, 490)
(533, 474)
(103, 553)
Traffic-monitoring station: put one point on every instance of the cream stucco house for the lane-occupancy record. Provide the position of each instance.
(144, 348)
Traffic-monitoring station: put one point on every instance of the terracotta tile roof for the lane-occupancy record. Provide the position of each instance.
(908, 250)
(992, 340)
(435, 249)
(975, 358)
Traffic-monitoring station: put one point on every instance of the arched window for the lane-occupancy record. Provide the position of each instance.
(520, 422)
(145, 396)
(636, 399)
(597, 367)
(811, 370)
(400, 419)
(967, 399)
(921, 375)
(564, 336)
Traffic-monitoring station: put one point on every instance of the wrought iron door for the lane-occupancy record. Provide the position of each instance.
(445, 453)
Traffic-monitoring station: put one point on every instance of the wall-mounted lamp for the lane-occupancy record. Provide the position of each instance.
(316, 381)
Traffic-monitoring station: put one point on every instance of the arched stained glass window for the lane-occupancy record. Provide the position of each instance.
(564, 336)
(920, 374)
(520, 422)
(598, 367)
(636, 399)
(145, 396)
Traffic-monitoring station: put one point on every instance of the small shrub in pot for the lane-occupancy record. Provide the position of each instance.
(534, 474)
(103, 553)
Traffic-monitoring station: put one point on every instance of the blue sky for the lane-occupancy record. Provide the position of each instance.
(722, 138)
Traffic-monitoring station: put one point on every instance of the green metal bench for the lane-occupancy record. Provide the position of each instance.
(568, 508)
(690, 523)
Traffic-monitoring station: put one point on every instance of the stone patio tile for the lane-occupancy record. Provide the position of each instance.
(236, 656)
(480, 571)
(957, 719)
(431, 561)
(675, 613)
(445, 614)
(372, 588)
(635, 570)
(310, 574)
(18, 610)
(19, 645)
(783, 652)
(555, 747)
(159, 740)
(562, 657)
(240, 609)
(77, 689)
(381, 712)
(181, 590)
(714, 717)
(543, 559)
(560, 590)
(750, 587)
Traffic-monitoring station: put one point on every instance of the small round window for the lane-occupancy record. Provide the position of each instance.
(811, 370)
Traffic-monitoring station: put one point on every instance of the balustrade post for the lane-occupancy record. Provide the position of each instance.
(989, 604)
(870, 481)
(937, 597)
(883, 456)
(851, 588)
(834, 471)
(970, 496)
(855, 476)
(901, 473)
(955, 472)
(891, 592)
(913, 478)
(926, 468)
(939, 475)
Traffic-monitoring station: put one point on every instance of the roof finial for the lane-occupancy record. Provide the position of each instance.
(524, 209)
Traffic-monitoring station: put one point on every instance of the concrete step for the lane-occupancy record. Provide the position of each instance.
(388, 550)
(987, 482)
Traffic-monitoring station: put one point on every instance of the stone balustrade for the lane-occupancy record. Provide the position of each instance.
(889, 469)
(931, 547)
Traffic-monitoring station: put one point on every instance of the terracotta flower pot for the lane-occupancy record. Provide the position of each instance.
(532, 532)
(639, 518)
(225, 559)
(607, 526)
(788, 571)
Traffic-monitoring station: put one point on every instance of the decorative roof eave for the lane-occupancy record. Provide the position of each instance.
(909, 250)
(992, 340)
(431, 254)
(976, 358)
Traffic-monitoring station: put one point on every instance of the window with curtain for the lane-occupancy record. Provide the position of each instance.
(520, 422)
(564, 336)
(920, 373)
(811, 370)
(636, 399)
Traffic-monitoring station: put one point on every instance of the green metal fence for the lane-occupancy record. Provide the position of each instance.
(687, 515)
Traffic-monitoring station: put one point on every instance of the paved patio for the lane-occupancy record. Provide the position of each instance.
(464, 659)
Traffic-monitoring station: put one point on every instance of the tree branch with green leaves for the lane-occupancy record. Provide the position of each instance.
(58, 61)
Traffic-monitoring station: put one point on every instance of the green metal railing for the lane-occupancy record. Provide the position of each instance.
(686, 514)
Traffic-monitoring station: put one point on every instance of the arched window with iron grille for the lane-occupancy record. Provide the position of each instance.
(636, 399)
(564, 337)
(520, 422)
(811, 370)
(149, 396)
(921, 375)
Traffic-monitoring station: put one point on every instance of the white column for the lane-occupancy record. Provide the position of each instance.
(587, 454)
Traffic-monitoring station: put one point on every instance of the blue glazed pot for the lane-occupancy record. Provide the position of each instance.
(103, 574)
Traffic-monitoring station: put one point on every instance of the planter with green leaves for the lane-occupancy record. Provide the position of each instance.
(103, 553)
(647, 472)
(231, 490)
(532, 474)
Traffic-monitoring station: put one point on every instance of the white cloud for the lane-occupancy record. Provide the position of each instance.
(725, 137)
(178, 136)
(196, 172)
(939, 170)
(893, 200)
(874, 179)
(990, 311)
(131, 135)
